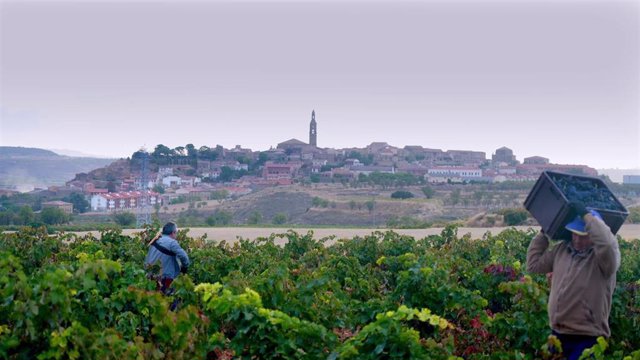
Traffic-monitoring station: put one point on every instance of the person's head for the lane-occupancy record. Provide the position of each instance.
(170, 229)
(580, 242)
(579, 236)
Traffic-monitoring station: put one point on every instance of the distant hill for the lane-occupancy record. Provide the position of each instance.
(23, 168)
(14, 151)
(74, 153)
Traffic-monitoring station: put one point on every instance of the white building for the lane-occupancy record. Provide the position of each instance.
(171, 181)
(631, 179)
(190, 181)
(451, 171)
(122, 200)
(212, 174)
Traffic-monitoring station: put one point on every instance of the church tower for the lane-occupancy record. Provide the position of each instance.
(313, 131)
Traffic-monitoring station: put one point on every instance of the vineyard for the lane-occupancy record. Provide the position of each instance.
(381, 296)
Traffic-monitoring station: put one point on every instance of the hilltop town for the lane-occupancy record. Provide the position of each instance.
(302, 182)
(205, 173)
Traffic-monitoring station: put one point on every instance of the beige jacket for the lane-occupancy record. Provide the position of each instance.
(583, 282)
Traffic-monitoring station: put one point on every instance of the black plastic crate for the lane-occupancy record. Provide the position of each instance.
(548, 202)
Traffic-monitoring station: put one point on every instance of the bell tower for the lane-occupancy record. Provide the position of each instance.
(313, 131)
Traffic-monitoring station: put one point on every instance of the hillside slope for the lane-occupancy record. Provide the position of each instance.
(23, 169)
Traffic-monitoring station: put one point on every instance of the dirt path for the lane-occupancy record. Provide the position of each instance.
(628, 232)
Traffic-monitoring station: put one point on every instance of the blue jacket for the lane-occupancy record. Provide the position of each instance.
(169, 264)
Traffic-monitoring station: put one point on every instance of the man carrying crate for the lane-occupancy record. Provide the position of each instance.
(584, 278)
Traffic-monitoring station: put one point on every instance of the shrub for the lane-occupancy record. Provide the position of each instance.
(254, 218)
(219, 218)
(279, 219)
(514, 217)
(428, 192)
(124, 218)
(54, 216)
(634, 215)
(402, 194)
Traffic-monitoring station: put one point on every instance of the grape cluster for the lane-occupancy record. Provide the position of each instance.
(587, 192)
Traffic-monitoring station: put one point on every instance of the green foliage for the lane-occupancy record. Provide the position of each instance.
(402, 194)
(54, 216)
(26, 215)
(428, 191)
(254, 218)
(390, 336)
(227, 174)
(387, 180)
(219, 195)
(365, 159)
(124, 218)
(381, 296)
(370, 205)
(319, 202)
(279, 219)
(514, 217)
(255, 331)
(80, 203)
(219, 218)
(634, 215)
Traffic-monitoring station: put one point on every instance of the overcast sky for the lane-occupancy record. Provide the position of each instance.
(556, 79)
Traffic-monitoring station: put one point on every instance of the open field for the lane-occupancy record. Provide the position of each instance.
(230, 234)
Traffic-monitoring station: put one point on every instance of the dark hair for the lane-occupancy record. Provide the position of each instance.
(169, 228)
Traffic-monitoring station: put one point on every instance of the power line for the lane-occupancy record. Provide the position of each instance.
(144, 210)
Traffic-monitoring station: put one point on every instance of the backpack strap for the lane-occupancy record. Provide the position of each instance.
(163, 249)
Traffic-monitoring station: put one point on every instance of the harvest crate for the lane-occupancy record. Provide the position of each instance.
(548, 202)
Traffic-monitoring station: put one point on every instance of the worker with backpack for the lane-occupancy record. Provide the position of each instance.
(165, 251)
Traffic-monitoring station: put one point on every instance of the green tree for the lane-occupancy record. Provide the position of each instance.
(514, 217)
(401, 194)
(226, 174)
(319, 202)
(219, 218)
(254, 218)
(159, 188)
(428, 192)
(219, 195)
(80, 204)
(370, 204)
(192, 155)
(6, 218)
(262, 159)
(206, 153)
(364, 159)
(162, 151)
(191, 151)
(454, 197)
(26, 215)
(279, 219)
(53, 216)
(111, 186)
(124, 218)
